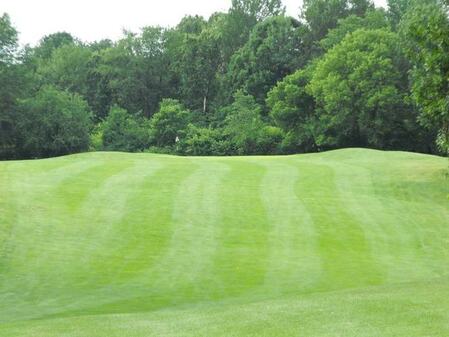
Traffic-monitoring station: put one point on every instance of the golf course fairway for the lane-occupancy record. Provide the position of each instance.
(345, 243)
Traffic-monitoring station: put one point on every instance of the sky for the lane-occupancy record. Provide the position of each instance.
(91, 20)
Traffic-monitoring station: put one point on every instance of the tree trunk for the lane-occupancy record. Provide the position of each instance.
(205, 104)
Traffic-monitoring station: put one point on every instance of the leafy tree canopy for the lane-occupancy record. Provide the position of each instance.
(426, 36)
(292, 108)
(360, 87)
(53, 123)
(323, 15)
(373, 19)
(276, 48)
(51, 42)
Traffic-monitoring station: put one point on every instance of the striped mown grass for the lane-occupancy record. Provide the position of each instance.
(345, 243)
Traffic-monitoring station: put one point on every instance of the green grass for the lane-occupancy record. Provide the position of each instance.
(345, 243)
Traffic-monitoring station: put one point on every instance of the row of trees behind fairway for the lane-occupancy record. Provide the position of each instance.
(248, 81)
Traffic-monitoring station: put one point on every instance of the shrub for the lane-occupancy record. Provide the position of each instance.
(204, 142)
(124, 132)
(269, 140)
(243, 123)
(53, 123)
(169, 124)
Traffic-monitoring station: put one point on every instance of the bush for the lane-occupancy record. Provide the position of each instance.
(124, 132)
(169, 124)
(96, 138)
(204, 142)
(243, 123)
(269, 140)
(53, 123)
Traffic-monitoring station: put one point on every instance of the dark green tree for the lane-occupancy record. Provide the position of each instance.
(67, 68)
(245, 14)
(323, 15)
(8, 40)
(99, 92)
(136, 71)
(51, 42)
(258, 9)
(196, 58)
(12, 83)
(396, 11)
(425, 29)
(373, 19)
(276, 48)
(292, 108)
(53, 123)
(121, 131)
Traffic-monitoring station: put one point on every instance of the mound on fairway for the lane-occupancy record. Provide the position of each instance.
(345, 243)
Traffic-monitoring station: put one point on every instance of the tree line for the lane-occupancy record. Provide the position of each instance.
(248, 81)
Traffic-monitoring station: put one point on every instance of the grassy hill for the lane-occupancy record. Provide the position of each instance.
(345, 243)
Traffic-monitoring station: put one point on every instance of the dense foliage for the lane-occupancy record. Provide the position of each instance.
(248, 81)
(360, 87)
(121, 131)
(53, 122)
(426, 32)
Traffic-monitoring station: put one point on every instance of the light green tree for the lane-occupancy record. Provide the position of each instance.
(361, 89)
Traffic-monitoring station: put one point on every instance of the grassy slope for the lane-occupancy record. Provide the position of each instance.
(345, 243)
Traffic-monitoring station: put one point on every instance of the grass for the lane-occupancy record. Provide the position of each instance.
(345, 243)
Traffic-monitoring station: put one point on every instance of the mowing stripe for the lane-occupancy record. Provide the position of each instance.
(346, 256)
(293, 265)
(242, 255)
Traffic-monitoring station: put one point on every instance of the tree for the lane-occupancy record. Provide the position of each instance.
(136, 71)
(323, 15)
(250, 80)
(373, 19)
(12, 84)
(99, 93)
(8, 40)
(245, 14)
(121, 131)
(169, 124)
(245, 129)
(293, 109)
(425, 29)
(53, 123)
(275, 49)
(397, 10)
(75, 67)
(67, 68)
(153, 68)
(48, 44)
(361, 89)
(196, 59)
(258, 9)
(243, 123)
